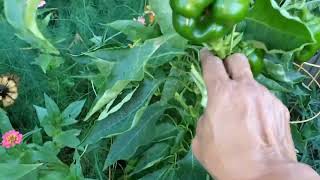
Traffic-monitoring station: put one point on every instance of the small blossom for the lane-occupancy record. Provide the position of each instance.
(141, 20)
(152, 16)
(42, 4)
(11, 138)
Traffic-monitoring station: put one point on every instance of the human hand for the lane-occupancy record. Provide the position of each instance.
(244, 132)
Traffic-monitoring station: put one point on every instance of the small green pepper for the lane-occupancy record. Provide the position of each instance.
(230, 12)
(256, 61)
(207, 20)
(198, 30)
(190, 8)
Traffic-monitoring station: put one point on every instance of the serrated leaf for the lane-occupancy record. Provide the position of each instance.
(126, 117)
(275, 27)
(127, 143)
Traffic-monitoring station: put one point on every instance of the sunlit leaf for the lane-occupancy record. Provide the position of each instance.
(275, 27)
(125, 118)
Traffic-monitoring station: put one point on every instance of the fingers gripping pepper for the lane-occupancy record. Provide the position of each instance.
(206, 20)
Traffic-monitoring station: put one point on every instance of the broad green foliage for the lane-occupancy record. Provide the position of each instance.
(275, 27)
(127, 65)
(52, 120)
(142, 86)
(126, 117)
(22, 16)
(163, 12)
(140, 135)
(16, 171)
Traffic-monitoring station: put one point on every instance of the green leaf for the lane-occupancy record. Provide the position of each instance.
(270, 84)
(72, 112)
(47, 153)
(135, 30)
(135, 58)
(16, 171)
(5, 124)
(126, 117)
(163, 14)
(166, 173)
(48, 62)
(37, 136)
(22, 16)
(41, 112)
(107, 97)
(51, 106)
(299, 142)
(68, 138)
(309, 131)
(190, 168)
(198, 79)
(276, 71)
(172, 48)
(165, 131)
(107, 112)
(127, 143)
(152, 156)
(172, 85)
(275, 27)
(75, 168)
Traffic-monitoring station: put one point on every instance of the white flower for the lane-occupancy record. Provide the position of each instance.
(42, 4)
(141, 20)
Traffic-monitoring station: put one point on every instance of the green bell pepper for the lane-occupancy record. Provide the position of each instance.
(256, 58)
(207, 20)
(230, 12)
